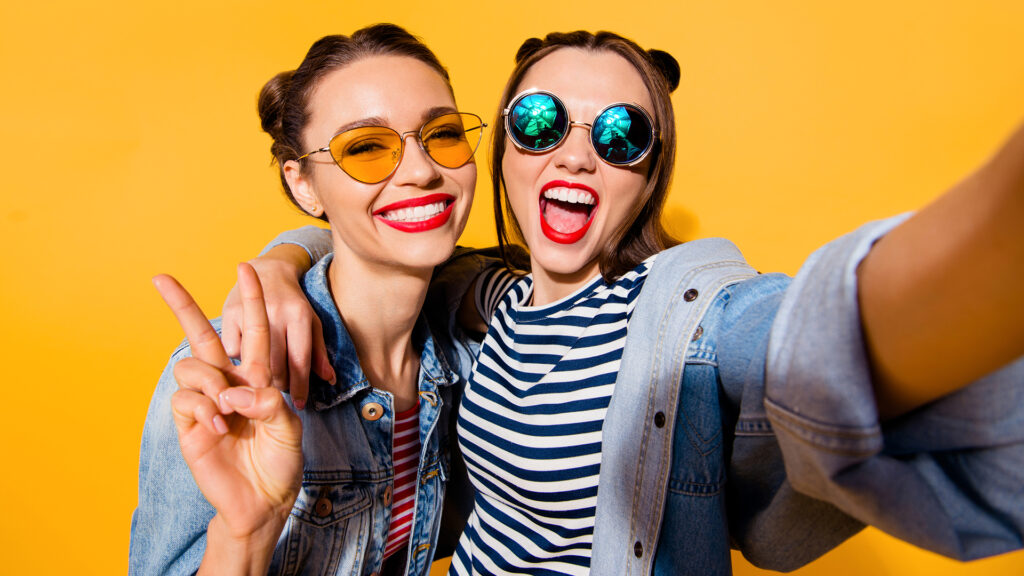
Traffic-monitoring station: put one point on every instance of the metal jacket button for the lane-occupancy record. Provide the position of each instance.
(387, 496)
(698, 333)
(659, 419)
(690, 295)
(323, 507)
(638, 549)
(372, 411)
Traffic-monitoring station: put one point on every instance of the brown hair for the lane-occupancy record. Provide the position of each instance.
(284, 100)
(642, 234)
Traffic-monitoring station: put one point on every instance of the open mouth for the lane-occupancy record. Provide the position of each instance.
(566, 211)
(417, 214)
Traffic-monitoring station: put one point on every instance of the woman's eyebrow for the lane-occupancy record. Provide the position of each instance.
(438, 111)
(430, 114)
(361, 123)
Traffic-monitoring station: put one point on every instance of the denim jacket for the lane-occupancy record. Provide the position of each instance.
(774, 446)
(743, 414)
(340, 520)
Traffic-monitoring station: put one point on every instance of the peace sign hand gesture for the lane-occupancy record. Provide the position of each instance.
(239, 438)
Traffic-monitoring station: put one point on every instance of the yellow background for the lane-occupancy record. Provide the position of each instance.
(132, 147)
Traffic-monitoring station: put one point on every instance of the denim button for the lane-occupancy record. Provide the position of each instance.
(387, 496)
(659, 419)
(372, 411)
(323, 507)
(698, 333)
(690, 295)
(638, 549)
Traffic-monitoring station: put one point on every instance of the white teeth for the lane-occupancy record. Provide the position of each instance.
(415, 214)
(570, 195)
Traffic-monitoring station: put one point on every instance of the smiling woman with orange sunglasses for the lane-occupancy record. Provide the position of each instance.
(231, 479)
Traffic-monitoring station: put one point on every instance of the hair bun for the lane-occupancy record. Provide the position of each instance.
(667, 65)
(528, 47)
(271, 103)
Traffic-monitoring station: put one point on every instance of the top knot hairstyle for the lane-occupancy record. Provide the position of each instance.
(642, 234)
(284, 100)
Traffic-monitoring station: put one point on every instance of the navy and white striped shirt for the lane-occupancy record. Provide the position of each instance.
(530, 425)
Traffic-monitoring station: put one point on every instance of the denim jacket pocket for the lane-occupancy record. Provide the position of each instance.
(327, 531)
(324, 504)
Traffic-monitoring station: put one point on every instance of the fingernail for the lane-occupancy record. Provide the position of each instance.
(299, 403)
(238, 397)
(220, 425)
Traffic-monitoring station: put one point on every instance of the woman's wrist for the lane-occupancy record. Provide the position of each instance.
(230, 552)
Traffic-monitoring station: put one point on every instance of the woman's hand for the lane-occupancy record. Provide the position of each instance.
(239, 438)
(296, 336)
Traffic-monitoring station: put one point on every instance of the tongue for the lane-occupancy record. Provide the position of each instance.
(564, 216)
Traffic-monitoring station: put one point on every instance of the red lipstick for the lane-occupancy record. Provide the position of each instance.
(566, 237)
(435, 221)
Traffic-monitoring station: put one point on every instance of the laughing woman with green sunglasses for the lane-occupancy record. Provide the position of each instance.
(639, 406)
(346, 475)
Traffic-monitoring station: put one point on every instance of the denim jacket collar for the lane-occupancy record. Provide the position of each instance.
(342, 352)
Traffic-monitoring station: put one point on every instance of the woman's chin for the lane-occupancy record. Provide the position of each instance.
(565, 261)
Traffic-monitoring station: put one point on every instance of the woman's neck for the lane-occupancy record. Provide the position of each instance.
(550, 286)
(379, 305)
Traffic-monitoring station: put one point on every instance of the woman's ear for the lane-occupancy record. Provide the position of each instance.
(302, 189)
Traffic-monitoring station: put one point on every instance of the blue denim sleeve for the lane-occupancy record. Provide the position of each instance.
(775, 526)
(948, 477)
(314, 240)
(168, 532)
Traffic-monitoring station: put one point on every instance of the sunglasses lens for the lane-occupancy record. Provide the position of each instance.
(367, 154)
(621, 134)
(537, 122)
(451, 139)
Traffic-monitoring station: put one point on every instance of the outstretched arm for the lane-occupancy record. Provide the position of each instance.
(940, 294)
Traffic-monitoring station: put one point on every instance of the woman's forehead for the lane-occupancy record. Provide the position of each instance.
(587, 80)
(394, 89)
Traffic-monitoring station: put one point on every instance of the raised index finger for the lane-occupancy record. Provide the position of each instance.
(201, 336)
(255, 326)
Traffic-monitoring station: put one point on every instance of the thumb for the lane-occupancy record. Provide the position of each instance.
(266, 405)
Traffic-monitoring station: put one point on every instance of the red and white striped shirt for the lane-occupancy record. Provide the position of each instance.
(406, 457)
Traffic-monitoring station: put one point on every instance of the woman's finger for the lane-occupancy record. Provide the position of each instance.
(231, 323)
(202, 338)
(255, 326)
(321, 361)
(299, 342)
(279, 355)
(189, 408)
(194, 374)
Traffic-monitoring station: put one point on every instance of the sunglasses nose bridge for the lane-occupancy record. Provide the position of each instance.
(576, 153)
(397, 155)
(588, 126)
(426, 157)
(418, 137)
